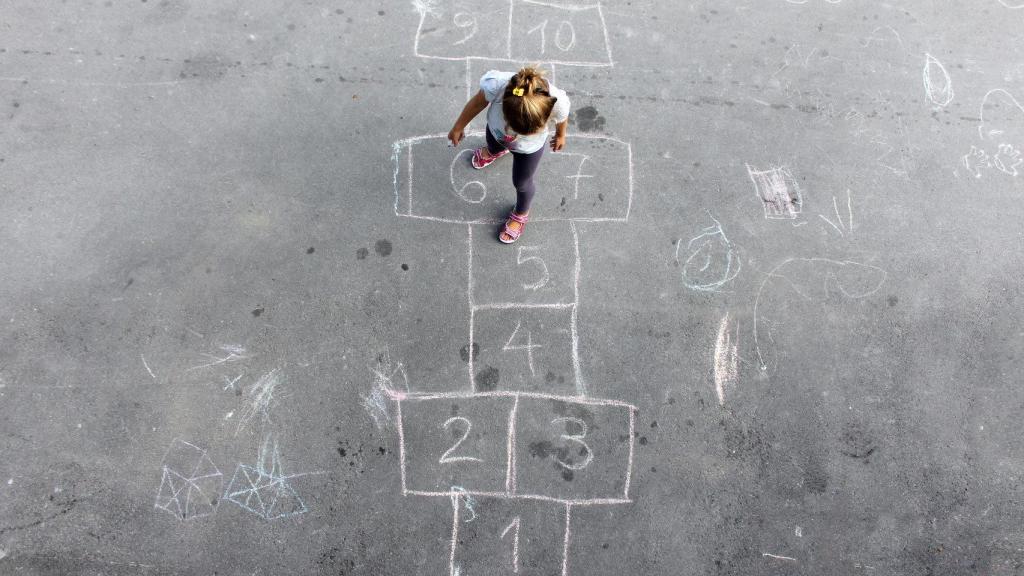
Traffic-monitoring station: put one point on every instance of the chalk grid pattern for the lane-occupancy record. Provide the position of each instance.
(562, 38)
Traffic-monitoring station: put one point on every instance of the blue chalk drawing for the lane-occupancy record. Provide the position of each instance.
(264, 490)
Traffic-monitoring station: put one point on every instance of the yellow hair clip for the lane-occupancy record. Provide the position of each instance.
(518, 91)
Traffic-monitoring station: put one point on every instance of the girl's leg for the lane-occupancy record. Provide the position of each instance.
(493, 146)
(523, 168)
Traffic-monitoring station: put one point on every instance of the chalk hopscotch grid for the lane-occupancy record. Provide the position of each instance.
(406, 144)
(425, 11)
(580, 384)
(457, 494)
(510, 442)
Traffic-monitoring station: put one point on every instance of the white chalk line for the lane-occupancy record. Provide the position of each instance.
(521, 306)
(777, 557)
(455, 531)
(565, 541)
(510, 465)
(401, 447)
(577, 365)
(472, 308)
(507, 496)
(629, 460)
(146, 364)
(419, 396)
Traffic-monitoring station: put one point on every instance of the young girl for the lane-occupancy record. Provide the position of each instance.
(521, 105)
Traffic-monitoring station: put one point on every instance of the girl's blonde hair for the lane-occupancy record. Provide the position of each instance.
(527, 104)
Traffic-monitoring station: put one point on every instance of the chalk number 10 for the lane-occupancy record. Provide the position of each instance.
(565, 35)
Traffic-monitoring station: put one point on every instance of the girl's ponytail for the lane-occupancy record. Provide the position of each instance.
(527, 104)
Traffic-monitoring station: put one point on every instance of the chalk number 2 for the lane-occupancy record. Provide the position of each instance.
(447, 457)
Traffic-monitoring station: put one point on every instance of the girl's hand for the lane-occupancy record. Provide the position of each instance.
(456, 136)
(558, 142)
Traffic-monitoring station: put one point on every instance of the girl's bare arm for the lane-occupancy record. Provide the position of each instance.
(558, 140)
(476, 105)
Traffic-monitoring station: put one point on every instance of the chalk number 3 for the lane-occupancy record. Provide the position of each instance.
(578, 439)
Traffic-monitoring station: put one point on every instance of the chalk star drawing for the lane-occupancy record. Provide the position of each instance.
(264, 490)
(190, 484)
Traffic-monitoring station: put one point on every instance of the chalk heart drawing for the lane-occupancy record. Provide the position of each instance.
(264, 489)
(190, 485)
(938, 87)
(813, 279)
(711, 260)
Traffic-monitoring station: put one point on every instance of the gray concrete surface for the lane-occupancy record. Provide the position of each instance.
(206, 291)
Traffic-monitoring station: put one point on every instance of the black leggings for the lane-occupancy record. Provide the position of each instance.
(523, 168)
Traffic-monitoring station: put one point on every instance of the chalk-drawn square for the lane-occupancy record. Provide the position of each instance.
(539, 269)
(591, 180)
(455, 443)
(778, 191)
(563, 34)
(573, 450)
(498, 536)
(462, 29)
(524, 350)
(190, 482)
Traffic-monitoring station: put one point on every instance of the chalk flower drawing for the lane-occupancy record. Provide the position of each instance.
(264, 489)
(1000, 115)
(778, 191)
(191, 483)
(937, 85)
(813, 283)
(711, 260)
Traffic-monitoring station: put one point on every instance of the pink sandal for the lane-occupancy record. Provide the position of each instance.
(479, 162)
(513, 234)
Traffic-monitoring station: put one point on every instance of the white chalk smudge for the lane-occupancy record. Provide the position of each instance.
(259, 399)
(726, 360)
(146, 364)
(777, 557)
(388, 377)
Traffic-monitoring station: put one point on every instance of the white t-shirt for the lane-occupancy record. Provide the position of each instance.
(493, 85)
